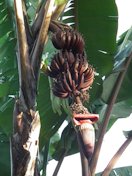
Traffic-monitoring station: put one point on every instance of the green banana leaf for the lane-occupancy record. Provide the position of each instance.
(4, 154)
(97, 21)
(122, 106)
(122, 171)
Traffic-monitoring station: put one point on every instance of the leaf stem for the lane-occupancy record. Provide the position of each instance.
(27, 96)
(111, 102)
(59, 9)
(45, 157)
(59, 163)
(27, 27)
(42, 36)
(38, 21)
(22, 39)
(116, 157)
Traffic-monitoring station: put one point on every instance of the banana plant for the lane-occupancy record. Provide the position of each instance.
(55, 43)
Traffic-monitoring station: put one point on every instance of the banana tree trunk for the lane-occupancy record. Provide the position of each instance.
(26, 120)
(25, 141)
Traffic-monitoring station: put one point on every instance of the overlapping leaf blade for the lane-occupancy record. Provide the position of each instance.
(124, 171)
(97, 21)
(122, 107)
(98, 24)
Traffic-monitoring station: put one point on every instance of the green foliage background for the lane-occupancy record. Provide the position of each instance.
(98, 22)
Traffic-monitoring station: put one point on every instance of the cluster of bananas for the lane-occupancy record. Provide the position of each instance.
(68, 40)
(69, 68)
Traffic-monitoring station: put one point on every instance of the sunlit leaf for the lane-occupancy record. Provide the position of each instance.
(123, 171)
(97, 21)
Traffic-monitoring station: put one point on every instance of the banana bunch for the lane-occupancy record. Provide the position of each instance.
(71, 73)
(60, 62)
(68, 39)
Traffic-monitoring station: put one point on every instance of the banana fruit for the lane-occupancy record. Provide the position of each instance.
(69, 68)
(68, 40)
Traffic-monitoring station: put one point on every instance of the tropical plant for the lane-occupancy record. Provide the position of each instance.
(35, 38)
